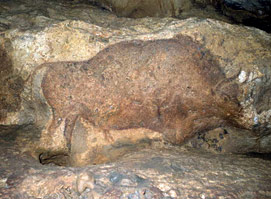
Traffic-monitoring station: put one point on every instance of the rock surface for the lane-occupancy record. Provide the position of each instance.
(169, 172)
(255, 13)
(230, 140)
(149, 8)
(241, 54)
(46, 45)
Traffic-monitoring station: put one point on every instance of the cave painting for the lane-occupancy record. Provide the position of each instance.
(172, 86)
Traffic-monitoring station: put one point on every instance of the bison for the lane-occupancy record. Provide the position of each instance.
(173, 86)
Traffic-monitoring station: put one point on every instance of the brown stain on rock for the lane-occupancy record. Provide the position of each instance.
(11, 86)
(172, 86)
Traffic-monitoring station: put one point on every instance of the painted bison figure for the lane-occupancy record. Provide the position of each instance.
(173, 86)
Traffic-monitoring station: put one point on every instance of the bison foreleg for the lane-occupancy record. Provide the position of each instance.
(69, 127)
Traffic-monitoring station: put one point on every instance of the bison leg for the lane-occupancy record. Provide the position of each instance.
(69, 127)
(55, 122)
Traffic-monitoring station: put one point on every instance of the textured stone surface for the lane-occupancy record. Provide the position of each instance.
(43, 42)
(162, 173)
(46, 31)
(151, 8)
(252, 12)
(11, 87)
(230, 140)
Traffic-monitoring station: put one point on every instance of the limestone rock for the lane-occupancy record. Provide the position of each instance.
(231, 140)
(11, 87)
(252, 12)
(151, 8)
(57, 58)
(241, 55)
(166, 173)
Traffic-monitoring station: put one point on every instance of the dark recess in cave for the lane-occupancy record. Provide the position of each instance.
(264, 156)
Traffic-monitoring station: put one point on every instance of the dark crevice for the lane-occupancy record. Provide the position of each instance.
(58, 159)
(264, 156)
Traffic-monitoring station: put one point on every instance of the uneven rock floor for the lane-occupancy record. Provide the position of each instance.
(168, 172)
